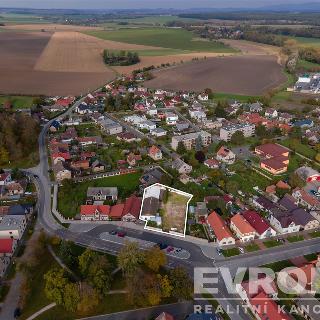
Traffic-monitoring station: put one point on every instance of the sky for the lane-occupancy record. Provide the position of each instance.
(131, 4)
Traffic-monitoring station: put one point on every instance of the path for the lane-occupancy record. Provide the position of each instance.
(36, 314)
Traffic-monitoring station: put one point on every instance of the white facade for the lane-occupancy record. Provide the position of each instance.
(12, 227)
(227, 132)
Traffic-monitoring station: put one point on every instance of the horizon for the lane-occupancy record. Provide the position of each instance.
(145, 4)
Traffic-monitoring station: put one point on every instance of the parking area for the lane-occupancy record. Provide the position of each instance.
(120, 237)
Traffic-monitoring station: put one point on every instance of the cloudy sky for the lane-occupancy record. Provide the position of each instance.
(128, 4)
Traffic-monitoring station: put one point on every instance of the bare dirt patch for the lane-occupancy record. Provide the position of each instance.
(19, 53)
(242, 74)
(70, 51)
(158, 60)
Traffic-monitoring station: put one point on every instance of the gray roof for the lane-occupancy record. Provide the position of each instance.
(106, 191)
(150, 206)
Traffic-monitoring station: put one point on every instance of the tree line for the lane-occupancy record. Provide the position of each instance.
(121, 58)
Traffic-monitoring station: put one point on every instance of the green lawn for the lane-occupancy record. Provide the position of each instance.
(315, 234)
(272, 243)
(252, 247)
(295, 238)
(162, 37)
(71, 197)
(297, 146)
(231, 252)
(18, 102)
(279, 265)
(231, 96)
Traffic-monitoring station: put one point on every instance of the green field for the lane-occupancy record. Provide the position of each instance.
(304, 65)
(162, 37)
(17, 18)
(72, 196)
(309, 42)
(18, 102)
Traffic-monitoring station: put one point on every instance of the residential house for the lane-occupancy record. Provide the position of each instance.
(131, 209)
(283, 221)
(271, 113)
(225, 155)
(5, 178)
(110, 127)
(94, 212)
(13, 227)
(132, 159)
(189, 140)
(97, 166)
(304, 123)
(164, 316)
(102, 193)
(151, 177)
(60, 171)
(127, 137)
(255, 107)
(203, 97)
(243, 230)
(159, 132)
(198, 115)
(155, 153)
(220, 229)
(226, 132)
(16, 188)
(80, 164)
(262, 227)
(171, 118)
(181, 166)
(305, 199)
(60, 156)
(147, 124)
(87, 141)
(21, 210)
(211, 163)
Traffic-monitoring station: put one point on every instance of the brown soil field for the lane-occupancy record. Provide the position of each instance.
(49, 27)
(158, 60)
(240, 74)
(70, 51)
(19, 53)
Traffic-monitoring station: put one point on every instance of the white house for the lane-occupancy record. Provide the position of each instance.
(226, 155)
(271, 113)
(203, 97)
(171, 118)
(158, 132)
(198, 115)
(13, 226)
(147, 124)
(181, 166)
(5, 178)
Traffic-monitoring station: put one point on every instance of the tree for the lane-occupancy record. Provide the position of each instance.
(130, 258)
(65, 253)
(220, 111)
(295, 181)
(181, 149)
(181, 283)
(261, 131)
(71, 297)
(166, 287)
(55, 285)
(155, 258)
(85, 260)
(4, 156)
(295, 132)
(238, 138)
(99, 274)
(200, 156)
(317, 157)
(198, 143)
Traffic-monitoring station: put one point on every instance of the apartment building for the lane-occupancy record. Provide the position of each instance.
(227, 132)
(189, 140)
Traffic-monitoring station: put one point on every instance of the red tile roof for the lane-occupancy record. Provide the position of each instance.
(219, 226)
(266, 308)
(242, 224)
(154, 150)
(272, 149)
(132, 205)
(117, 210)
(89, 210)
(6, 245)
(256, 221)
(165, 316)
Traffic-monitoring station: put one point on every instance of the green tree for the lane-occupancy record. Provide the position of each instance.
(99, 274)
(261, 131)
(85, 260)
(181, 149)
(155, 258)
(238, 138)
(130, 258)
(89, 299)
(295, 181)
(181, 283)
(55, 285)
(71, 297)
(4, 156)
(232, 186)
(166, 287)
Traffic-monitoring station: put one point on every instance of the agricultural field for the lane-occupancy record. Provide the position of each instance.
(18, 102)
(163, 37)
(244, 75)
(308, 42)
(24, 70)
(16, 18)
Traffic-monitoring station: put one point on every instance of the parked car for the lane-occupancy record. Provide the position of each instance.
(170, 249)
(241, 250)
(113, 232)
(219, 251)
(315, 193)
(162, 246)
(121, 234)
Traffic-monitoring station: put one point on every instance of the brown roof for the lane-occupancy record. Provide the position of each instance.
(272, 149)
(275, 163)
